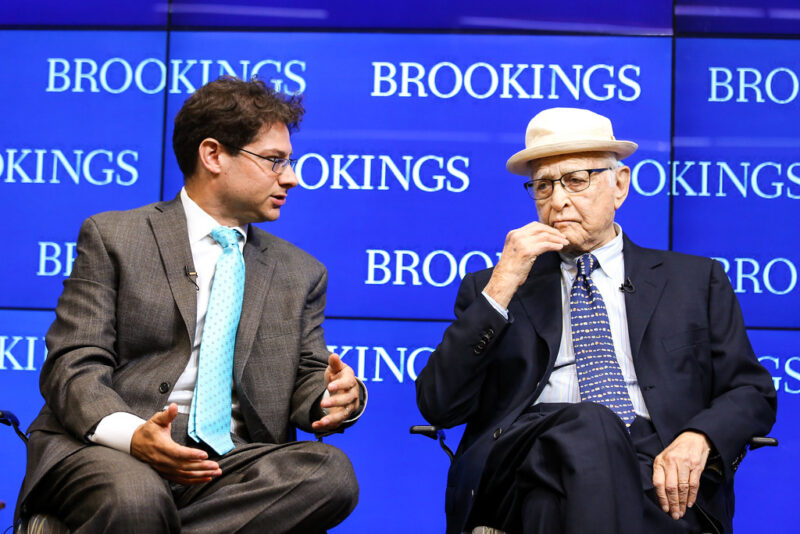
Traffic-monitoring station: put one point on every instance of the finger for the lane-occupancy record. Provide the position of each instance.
(547, 246)
(165, 417)
(694, 486)
(658, 482)
(170, 464)
(544, 231)
(671, 486)
(330, 421)
(186, 481)
(335, 363)
(340, 400)
(344, 383)
(683, 486)
(163, 450)
(191, 473)
(534, 232)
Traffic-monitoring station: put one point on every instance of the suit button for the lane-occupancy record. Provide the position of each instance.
(164, 387)
(490, 332)
(497, 433)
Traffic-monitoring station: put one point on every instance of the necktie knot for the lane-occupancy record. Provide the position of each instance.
(586, 264)
(225, 236)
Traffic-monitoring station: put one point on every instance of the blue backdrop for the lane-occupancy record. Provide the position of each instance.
(403, 186)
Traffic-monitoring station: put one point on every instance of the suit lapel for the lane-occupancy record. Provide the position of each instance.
(259, 269)
(540, 297)
(172, 237)
(642, 270)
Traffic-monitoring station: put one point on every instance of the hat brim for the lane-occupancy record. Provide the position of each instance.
(518, 163)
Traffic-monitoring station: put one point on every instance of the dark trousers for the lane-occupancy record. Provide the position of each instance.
(300, 487)
(574, 468)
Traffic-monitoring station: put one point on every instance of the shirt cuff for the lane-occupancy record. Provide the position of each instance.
(116, 431)
(502, 311)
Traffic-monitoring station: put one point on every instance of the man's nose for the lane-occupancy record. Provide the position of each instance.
(288, 178)
(560, 196)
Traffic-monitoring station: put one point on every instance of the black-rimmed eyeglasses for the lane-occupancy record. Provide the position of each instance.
(278, 164)
(573, 182)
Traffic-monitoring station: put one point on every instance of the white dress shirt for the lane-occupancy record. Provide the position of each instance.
(562, 386)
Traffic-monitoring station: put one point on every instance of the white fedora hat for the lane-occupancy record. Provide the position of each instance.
(557, 131)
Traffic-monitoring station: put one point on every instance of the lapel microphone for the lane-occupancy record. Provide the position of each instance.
(192, 276)
(627, 286)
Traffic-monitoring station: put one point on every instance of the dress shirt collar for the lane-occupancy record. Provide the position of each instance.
(201, 223)
(609, 256)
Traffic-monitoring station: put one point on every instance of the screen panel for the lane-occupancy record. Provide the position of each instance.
(22, 352)
(737, 16)
(598, 16)
(767, 478)
(402, 153)
(85, 13)
(737, 172)
(402, 478)
(83, 130)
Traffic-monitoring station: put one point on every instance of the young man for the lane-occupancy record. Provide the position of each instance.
(188, 346)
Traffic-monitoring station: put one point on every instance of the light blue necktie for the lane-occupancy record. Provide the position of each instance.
(599, 376)
(210, 413)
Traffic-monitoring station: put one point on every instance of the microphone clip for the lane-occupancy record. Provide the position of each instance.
(192, 276)
(627, 286)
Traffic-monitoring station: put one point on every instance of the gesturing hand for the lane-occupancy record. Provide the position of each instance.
(341, 383)
(152, 443)
(520, 250)
(677, 470)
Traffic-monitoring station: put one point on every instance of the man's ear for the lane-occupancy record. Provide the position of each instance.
(210, 154)
(622, 183)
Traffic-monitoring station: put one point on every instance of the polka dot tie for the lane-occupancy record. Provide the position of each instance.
(210, 413)
(599, 375)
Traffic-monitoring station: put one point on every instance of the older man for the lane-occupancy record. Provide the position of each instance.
(188, 345)
(607, 388)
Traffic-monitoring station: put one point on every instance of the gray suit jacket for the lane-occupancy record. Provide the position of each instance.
(125, 322)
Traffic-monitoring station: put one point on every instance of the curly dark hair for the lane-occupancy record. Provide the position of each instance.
(232, 111)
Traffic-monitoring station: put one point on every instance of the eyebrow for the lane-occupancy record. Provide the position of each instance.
(272, 152)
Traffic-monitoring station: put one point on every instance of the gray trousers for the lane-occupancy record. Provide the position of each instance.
(299, 487)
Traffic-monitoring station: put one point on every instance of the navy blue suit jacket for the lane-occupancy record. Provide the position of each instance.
(694, 363)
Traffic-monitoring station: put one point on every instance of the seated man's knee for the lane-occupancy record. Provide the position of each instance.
(592, 412)
(338, 484)
(121, 492)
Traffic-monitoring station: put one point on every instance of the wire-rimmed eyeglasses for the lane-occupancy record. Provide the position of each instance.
(278, 164)
(573, 182)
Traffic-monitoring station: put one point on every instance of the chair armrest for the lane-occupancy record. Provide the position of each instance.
(433, 432)
(9, 419)
(762, 441)
(426, 430)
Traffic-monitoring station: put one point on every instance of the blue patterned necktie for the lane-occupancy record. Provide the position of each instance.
(599, 375)
(210, 413)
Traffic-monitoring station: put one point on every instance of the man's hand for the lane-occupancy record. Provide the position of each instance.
(677, 470)
(342, 385)
(153, 444)
(520, 250)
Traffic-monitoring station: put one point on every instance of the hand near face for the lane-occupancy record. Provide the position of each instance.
(677, 470)
(520, 250)
(341, 383)
(152, 443)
